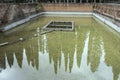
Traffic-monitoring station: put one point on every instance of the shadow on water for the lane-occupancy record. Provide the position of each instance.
(83, 54)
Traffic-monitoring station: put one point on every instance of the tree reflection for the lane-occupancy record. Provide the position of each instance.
(59, 53)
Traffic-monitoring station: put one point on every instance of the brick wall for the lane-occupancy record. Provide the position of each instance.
(68, 7)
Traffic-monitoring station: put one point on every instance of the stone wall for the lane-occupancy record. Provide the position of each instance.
(110, 10)
(30, 8)
(3, 8)
(13, 12)
(68, 7)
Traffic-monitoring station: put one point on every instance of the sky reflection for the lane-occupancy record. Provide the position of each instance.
(46, 69)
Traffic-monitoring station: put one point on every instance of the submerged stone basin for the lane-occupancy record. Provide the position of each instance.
(60, 25)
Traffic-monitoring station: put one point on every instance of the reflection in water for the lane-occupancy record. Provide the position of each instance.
(103, 68)
(94, 48)
(46, 69)
(79, 55)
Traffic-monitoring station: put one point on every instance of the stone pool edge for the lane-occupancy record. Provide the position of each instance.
(107, 22)
(61, 14)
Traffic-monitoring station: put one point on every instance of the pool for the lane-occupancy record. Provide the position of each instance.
(90, 52)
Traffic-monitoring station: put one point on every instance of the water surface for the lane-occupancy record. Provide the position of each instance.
(90, 52)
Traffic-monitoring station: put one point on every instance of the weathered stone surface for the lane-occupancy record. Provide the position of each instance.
(111, 10)
(14, 12)
(68, 7)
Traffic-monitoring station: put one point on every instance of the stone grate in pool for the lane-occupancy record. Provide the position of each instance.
(60, 25)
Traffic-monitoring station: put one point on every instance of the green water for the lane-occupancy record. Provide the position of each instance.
(90, 52)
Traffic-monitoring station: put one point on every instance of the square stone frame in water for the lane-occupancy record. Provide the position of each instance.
(60, 25)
